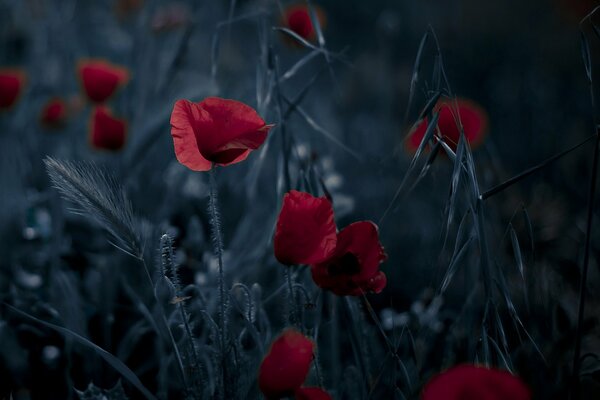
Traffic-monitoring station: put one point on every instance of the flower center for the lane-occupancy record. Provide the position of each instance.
(347, 264)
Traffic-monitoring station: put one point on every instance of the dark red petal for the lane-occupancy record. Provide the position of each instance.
(215, 130)
(186, 148)
(54, 112)
(354, 267)
(227, 125)
(415, 136)
(470, 382)
(312, 393)
(11, 86)
(298, 20)
(377, 283)
(362, 239)
(306, 231)
(108, 132)
(472, 117)
(285, 367)
(101, 79)
(474, 121)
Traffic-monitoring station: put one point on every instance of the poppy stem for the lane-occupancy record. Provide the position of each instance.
(217, 239)
(291, 298)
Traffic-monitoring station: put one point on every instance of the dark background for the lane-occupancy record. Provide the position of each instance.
(520, 60)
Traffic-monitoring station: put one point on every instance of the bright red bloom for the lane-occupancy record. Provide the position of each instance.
(11, 86)
(54, 113)
(306, 231)
(470, 382)
(297, 19)
(107, 132)
(285, 367)
(353, 269)
(215, 130)
(101, 79)
(312, 393)
(472, 116)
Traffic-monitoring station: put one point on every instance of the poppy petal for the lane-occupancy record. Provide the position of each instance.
(312, 393)
(100, 79)
(184, 139)
(107, 132)
(215, 130)
(54, 113)
(354, 267)
(470, 382)
(297, 19)
(286, 365)
(306, 231)
(11, 86)
(472, 117)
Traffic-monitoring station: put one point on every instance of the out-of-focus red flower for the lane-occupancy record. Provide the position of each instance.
(306, 231)
(12, 81)
(297, 19)
(285, 367)
(472, 116)
(170, 17)
(124, 8)
(312, 393)
(101, 79)
(54, 113)
(353, 269)
(215, 130)
(575, 10)
(470, 382)
(107, 132)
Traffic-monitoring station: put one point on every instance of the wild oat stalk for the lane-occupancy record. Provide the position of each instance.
(169, 268)
(98, 195)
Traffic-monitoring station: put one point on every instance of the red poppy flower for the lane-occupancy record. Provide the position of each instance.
(297, 19)
(107, 132)
(472, 116)
(306, 231)
(124, 8)
(470, 382)
(11, 86)
(312, 393)
(170, 17)
(284, 368)
(54, 113)
(215, 130)
(353, 269)
(101, 79)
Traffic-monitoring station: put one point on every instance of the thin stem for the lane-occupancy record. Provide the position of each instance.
(165, 323)
(217, 240)
(574, 392)
(292, 320)
(529, 171)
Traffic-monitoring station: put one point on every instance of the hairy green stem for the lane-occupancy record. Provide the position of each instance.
(217, 240)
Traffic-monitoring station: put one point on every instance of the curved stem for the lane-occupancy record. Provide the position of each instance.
(574, 391)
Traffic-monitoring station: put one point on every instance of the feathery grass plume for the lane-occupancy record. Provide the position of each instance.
(98, 195)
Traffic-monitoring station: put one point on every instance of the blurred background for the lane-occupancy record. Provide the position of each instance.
(521, 62)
